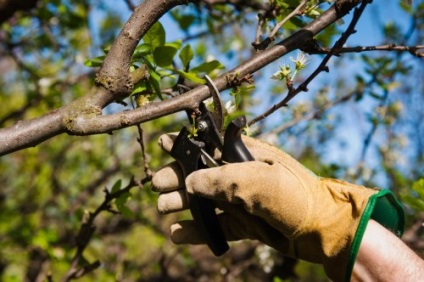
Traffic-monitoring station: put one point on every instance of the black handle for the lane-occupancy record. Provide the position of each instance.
(234, 150)
(187, 152)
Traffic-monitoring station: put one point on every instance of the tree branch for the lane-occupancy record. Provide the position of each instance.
(114, 74)
(322, 67)
(417, 51)
(87, 230)
(83, 116)
(191, 99)
(264, 44)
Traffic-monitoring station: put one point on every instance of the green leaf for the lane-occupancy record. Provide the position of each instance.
(141, 51)
(116, 187)
(418, 186)
(176, 44)
(191, 76)
(208, 67)
(185, 21)
(186, 55)
(413, 202)
(122, 199)
(121, 202)
(154, 80)
(95, 62)
(155, 36)
(126, 212)
(163, 55)
(139, 87)
(415, 198)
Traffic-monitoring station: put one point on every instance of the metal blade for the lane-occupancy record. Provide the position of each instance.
(218, 113)
(207, 159)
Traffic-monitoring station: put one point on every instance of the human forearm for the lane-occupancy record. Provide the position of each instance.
(384, 257)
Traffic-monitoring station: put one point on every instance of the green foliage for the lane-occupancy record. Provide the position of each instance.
(415, 198)
(186, 55)
(48, 191)
(95, 62)
(164, 55)
(156, 36)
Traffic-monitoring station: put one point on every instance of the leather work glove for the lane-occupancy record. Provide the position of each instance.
(319, 220)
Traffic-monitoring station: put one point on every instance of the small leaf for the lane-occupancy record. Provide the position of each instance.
(139, 87)
(163, 55)
(418, 186)
(121, 202)
(186, 55)
(95, 62)
(191, 76)
(208, 67)
(116, 187)
(122, 199)
(155, 36)
(176, 44)
(154, 80)
(126, 212)
(185, 21)
(141, 51)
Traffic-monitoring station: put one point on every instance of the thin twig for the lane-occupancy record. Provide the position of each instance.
(140, 141)
(312, 115)
(130, 5)
(417, 51)
(87, 230)
(296, 12)
(322, 67)
(261, 20)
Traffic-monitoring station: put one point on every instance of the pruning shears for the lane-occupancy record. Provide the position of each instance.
(195, 152)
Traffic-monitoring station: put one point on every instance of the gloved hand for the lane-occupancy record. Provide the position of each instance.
(317, 219)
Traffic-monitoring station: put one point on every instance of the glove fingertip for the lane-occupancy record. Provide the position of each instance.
(166, 141)
(168, 178)
(185, 232)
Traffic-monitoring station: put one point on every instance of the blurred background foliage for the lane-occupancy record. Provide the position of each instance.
(361, 122)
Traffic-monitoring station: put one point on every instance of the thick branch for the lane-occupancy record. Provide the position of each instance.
(192, 98)
(83, 117)
(114, 74)
(26, 134)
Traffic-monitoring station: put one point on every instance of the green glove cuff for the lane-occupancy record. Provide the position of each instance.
(384, 208)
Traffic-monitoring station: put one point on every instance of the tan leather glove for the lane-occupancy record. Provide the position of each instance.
(317, 218)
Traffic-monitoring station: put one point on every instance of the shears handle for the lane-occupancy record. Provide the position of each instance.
(234, 150)
(188, 152)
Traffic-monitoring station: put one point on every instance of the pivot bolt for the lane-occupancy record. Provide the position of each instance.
(202, 126)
